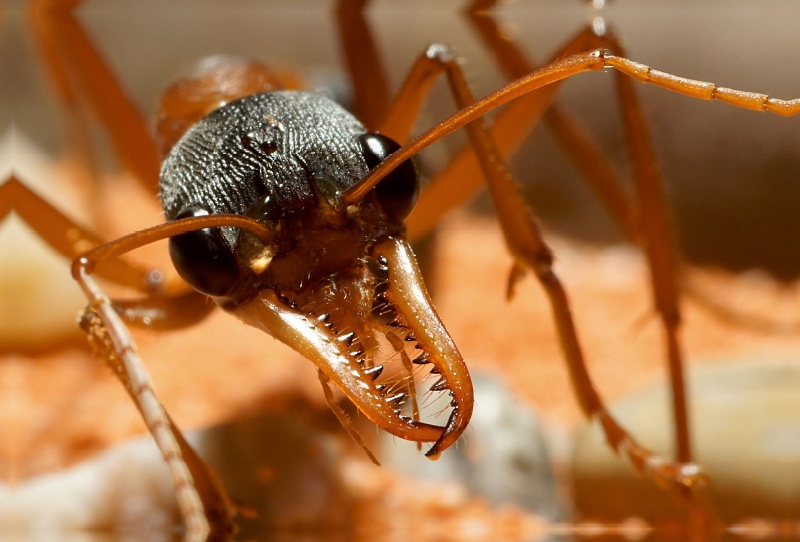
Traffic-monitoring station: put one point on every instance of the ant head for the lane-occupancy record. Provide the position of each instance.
(282, 159)
(332, 280)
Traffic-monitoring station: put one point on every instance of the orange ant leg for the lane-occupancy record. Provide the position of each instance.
(175, 307)
(652, 233)
(366, 70)
(659, 247)
(202, 499)
(458, 181)
(80, 71)
(653, 236)
(76, 138)
(530, 251)
(63, 234)
(595, 167)
(521, 233)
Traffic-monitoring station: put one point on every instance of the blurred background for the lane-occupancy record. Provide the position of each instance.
(730, 184)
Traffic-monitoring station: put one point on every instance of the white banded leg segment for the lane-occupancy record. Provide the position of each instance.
(110, 337)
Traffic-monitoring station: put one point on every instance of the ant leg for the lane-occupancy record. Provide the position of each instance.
(64, 235)
(458, 180)
(652, 233)
(76, 138)
(595, 167)
(659, 247)
(175, 307)
(366, 70)
(79, 70)
(530, 251)
(202, 499)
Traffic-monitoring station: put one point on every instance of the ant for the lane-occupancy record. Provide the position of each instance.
(255, 248)
(289, 214)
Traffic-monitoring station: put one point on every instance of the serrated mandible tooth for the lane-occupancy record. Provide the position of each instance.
(440, 385)
(374, 372)
(395, 398)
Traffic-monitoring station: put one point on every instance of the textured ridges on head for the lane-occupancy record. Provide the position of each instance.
(213, 166)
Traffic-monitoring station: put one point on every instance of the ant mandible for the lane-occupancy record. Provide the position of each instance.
(288, 213)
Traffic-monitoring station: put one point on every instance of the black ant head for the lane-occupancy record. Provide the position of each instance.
(334, 280)
(282, 159)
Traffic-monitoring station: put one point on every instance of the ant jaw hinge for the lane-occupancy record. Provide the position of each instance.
(256, 255)
(328, 191)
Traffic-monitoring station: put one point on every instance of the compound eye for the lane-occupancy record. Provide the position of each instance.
(203, 258)
(397, 192)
